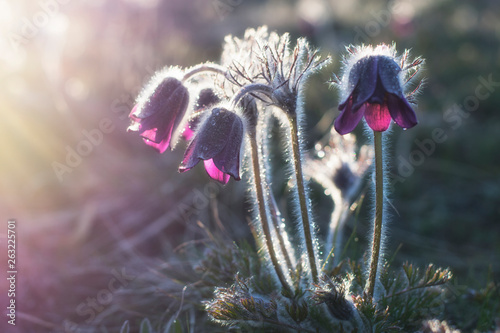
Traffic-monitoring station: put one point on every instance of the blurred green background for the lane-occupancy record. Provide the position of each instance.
(67, 66)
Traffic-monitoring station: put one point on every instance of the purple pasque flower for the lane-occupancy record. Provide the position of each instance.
(206, 98)
(159, 110)
(218, 143)
(373, 87)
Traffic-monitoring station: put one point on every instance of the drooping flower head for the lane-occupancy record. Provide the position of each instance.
(374, 86)
(160, 108)
(218, 143)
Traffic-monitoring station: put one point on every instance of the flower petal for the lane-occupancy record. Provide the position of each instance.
(158, 134)
(212, 136)
(170, 96)
(132, 113)
(188, 132)
(228, 160)
(367, 81)
(401, 111)
(191, 125)
(214, 172)
(352, 81)
(206, 98)
(348, 120)
(136, 122)
(377, 116)
(190, 159)
(219, 139)
(160, 115)
(388, 71)
(160, 146)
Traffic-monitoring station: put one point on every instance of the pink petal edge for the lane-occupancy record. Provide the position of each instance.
(215, 173)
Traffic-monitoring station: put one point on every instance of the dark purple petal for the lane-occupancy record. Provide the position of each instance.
(377, 116)
(347, 120)
(212, 136)
(189, 160)
(158, 117)
(367, 81)
(169, 96)
(215, 173)
(228, 160)
(206, 98)
(219, 140)
(378, 96)
(388, 71)
(353, 79)
(401, 111)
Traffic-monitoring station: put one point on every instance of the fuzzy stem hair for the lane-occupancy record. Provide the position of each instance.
(379, 209)
(203, 69)
(259, 190)
(301, 191)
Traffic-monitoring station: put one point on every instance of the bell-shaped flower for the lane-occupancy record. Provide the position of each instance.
(218, 143)
(159, 111)
(373, 87)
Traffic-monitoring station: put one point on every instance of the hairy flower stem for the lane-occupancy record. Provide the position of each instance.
(306, 224)
(379, 207)
(259, 190)
(275, 217)
(251, 88)
(202, 69)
